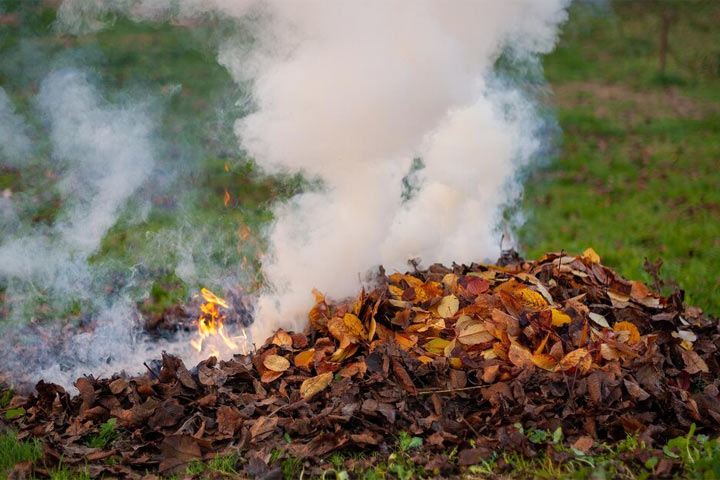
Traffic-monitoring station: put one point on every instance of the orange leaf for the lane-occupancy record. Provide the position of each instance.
(303, 359)
(313, 385)
(456, 363)
(633, 333)
(579, 359)
(544, 361)
(355, 326)
(406, 341)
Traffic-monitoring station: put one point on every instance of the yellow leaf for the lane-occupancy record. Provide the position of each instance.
(355, 326)
(474, 333)
(455, 363)
(633, 333)
(559, 319)
(591, 256)
(276, 363)
(579, 359)
(531, 299)
(395, 291)
(313, 385)
(303, 359)
(425, 359)
(343, 353)
(373, 327)
(436, 345)
(544, 361)
(448, 306)
(450, 281)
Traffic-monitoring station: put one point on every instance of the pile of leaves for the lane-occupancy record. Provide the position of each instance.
(456, 356)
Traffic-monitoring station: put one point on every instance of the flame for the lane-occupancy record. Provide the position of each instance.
(227, 168)
(226, 200)
(211, 329)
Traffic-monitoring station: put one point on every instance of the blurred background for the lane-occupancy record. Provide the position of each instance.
(634, 87)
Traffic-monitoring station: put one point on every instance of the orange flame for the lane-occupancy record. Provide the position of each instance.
(226, 200)
(212, 328)
(227, 168)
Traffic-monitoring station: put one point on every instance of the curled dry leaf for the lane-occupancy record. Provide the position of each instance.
(591, 256)
(531, 299)
(282, 339)
(474, 333)
(314, 385)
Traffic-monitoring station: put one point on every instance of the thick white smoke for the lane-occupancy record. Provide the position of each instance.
(350, 92)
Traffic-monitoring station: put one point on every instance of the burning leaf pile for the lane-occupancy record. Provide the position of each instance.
(457, 356)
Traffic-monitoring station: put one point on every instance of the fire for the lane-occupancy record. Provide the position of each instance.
(226, 199)
(211, 328)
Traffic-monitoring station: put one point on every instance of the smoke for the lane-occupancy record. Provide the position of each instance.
(393, 109)
(350, 93)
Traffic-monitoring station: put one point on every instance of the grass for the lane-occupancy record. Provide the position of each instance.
(637, 166)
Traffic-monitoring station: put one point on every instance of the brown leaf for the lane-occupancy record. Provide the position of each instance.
(519, 355)
(693, 363)
(229, 420)
(403, 376)
(177, 452)
(584, 444)
(262, 428)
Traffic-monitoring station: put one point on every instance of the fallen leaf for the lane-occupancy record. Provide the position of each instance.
(693, 363)
(448, 306)
(314, 385)
(304, 359)
(579, 359)
(633, 333)
(559, 319)
(591, 256)
(544, 361)
(276, 363)
(519, 356)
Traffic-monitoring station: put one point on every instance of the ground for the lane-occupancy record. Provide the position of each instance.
(634, 175)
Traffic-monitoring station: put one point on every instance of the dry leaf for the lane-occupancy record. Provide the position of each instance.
(474, 333)
(304, 359)
(633, 333)
(559, 319)
(313, 385)
(579, 359)
(282, 339)
(519, 356)
(448, 306)
(693, 363)
(544, 361)
(276, 363)
(591, 256)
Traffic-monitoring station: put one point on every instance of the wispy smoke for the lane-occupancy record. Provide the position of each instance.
(14, 141)
(351, 92)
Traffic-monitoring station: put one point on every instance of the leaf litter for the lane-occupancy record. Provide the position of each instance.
(458, 356)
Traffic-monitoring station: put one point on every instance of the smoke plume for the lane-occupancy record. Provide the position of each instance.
(393, 109)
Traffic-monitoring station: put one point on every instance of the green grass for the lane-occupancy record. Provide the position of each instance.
(636, 173)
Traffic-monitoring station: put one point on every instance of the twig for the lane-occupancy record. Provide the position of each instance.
(151, 371)
(425, 392)
(470, 427)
